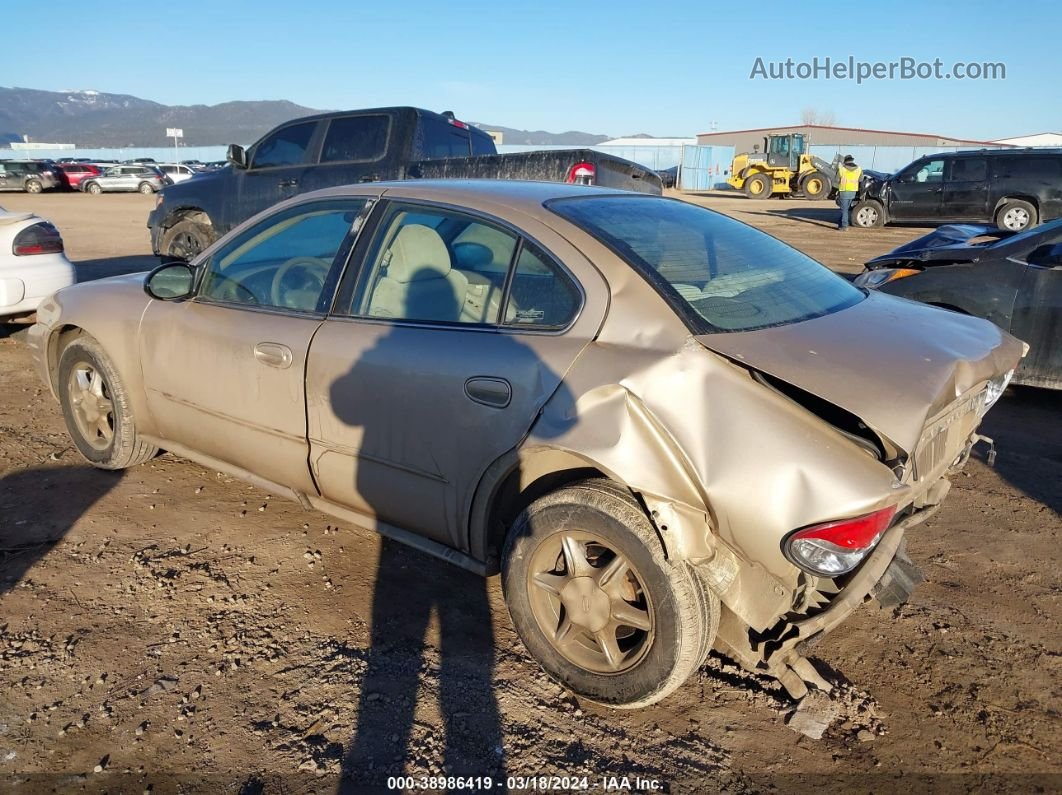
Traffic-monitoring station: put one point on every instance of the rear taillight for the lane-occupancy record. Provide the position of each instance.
(581, 173)
(837, 547)
(42, 238)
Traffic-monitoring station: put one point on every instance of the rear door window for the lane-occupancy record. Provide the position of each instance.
(285, 147)
(427, 265)
(356, 139)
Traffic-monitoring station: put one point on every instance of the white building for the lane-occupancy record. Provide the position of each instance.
(27, 145)
(649, 142)
(1039, 139)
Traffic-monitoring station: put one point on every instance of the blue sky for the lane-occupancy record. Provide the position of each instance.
(617, 68)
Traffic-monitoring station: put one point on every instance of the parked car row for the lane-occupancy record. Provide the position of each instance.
(90, 176)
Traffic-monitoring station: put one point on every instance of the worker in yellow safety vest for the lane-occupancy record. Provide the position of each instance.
(847, 187)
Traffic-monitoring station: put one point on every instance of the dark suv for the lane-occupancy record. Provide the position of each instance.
(30, 176)
(1012, 188)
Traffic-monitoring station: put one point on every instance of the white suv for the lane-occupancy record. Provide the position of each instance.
(177, 172)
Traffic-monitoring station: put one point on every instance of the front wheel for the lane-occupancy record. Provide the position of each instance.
(96, 408)
(867, 214)
(758, 186)
(186, 239)
(596, 601)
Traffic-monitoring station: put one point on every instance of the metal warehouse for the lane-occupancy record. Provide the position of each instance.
(746, 140)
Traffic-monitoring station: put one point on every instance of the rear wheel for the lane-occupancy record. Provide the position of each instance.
(867, 214)
(815, 185)
(93, 188)
(145, 188)
(596, 601)
(96, 408)
(186, 239)
(34, 186)
(1015, 215)
(758, 186)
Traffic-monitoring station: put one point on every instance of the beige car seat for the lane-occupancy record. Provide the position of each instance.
(419, 282)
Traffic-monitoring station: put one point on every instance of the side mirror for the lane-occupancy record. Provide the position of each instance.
(170, 281)
(237, 156)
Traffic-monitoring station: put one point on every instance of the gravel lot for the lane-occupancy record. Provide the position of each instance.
(169, 628)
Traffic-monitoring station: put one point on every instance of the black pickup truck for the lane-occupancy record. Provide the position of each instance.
(360, 146)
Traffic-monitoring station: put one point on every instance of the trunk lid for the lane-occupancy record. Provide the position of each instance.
(891, 362)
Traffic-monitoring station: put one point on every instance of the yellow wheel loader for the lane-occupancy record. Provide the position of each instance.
(783, 168)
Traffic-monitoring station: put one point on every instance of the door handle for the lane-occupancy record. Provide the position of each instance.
(288, 183)
(273, 354)
(493, 392)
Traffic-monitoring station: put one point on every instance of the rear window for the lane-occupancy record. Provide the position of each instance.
(719, 274)
(482, 144)
(438, 139)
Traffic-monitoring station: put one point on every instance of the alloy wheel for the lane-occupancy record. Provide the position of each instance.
(91, 404)
(589, 602)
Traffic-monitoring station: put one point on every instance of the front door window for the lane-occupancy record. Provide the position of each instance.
(283, 262)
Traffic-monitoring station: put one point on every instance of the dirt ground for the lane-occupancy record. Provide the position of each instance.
(169, 629)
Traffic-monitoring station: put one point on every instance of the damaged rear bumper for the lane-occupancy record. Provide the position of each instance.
(887, 576)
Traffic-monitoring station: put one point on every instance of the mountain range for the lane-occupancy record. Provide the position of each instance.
(93, 119)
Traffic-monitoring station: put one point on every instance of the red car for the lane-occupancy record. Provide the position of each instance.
(72, 174)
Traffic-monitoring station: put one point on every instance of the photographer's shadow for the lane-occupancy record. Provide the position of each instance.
(411, 586)
(37, 509)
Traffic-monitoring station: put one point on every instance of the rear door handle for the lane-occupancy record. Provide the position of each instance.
(489, 391)
(273, 354)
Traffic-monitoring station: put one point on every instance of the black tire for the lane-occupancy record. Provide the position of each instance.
(93, 188)
(34, 186)
(867, 214)
(124, 449)
(815, 185)
(1015, 215)
(758, 186)
(685, 614)
(146, 189)
(186, 239)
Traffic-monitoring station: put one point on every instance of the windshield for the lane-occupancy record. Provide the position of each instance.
(720, 274)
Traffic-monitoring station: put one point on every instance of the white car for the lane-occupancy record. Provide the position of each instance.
(32, 263)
